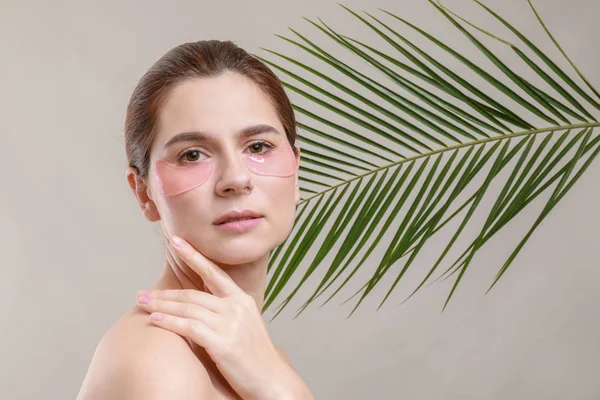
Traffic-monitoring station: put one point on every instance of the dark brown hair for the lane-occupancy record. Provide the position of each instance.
(204, 58)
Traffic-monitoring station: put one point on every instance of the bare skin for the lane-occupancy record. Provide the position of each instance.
(134, 328)
(220, 106)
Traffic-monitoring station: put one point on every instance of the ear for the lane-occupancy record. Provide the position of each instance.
(297, 195)
(141, 192)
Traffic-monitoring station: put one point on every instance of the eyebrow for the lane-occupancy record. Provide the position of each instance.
(249, 131)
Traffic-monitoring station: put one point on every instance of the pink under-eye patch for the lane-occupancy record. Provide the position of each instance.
(173, 179)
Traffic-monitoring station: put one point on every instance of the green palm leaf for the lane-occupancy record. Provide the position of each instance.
(437, 141)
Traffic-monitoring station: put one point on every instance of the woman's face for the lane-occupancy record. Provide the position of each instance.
(221, 107)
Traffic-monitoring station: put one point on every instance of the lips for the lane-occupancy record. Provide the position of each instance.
(235, 215)
(235, 219)
(240, 226)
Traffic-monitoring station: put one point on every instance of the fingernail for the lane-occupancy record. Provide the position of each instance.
(156, 316)
(143, 300)
(143, 293)
(178, 242)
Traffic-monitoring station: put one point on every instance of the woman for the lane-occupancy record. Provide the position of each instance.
(209, 132)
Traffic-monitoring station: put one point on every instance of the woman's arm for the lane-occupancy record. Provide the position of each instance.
(293, 388)
(284, 356)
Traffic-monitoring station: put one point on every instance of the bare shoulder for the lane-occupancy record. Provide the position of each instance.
(137, 360)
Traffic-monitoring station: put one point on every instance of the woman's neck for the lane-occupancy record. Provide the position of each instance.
(250, 277)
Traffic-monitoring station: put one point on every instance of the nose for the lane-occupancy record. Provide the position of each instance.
(233, 177)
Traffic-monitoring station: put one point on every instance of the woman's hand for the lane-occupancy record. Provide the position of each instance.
(229, 326)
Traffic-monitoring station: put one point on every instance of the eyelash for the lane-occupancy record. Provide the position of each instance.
(180, 158)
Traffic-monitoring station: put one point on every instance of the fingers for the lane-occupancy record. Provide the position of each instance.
(182, 310)
(217, 280)
(197, 331)
(191, 296)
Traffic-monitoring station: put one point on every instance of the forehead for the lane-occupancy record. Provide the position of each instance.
(220, 105)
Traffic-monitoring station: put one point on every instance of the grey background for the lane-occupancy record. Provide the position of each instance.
(74, 247)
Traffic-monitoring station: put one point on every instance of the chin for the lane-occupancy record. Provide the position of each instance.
(234, 251)
(237, 258)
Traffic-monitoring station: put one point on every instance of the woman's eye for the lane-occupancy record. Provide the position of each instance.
(189, 157)
(192, 155)
(261, 144)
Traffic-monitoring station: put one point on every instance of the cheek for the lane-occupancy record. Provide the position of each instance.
(281, 207)
(188, 214)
